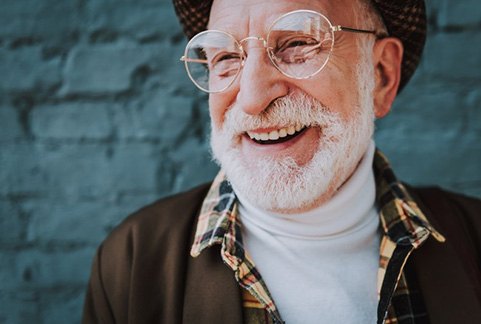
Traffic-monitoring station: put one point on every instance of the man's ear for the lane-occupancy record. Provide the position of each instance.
(387, 55)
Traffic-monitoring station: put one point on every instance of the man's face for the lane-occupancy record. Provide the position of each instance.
(331, 113)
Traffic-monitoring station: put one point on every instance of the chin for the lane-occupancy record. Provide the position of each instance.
(280, 183)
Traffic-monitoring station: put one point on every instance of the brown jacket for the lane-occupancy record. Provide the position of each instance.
(143, 272)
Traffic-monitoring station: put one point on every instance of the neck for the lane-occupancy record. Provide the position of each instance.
(344, 212)
(331, 251)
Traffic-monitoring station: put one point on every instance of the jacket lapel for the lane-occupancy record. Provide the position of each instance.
(451, 293)
(212, 295)
(448, 292)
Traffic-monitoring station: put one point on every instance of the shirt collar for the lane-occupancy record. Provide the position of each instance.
(402, 220)
(216, 216)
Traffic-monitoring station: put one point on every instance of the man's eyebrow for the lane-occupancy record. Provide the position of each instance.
(229, 28)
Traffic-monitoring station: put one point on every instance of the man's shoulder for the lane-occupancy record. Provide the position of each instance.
(453, 266)
(170, 217)
(440, 199)
(141, 262)
(455, 215)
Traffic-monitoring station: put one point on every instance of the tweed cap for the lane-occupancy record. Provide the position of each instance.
(405, 20)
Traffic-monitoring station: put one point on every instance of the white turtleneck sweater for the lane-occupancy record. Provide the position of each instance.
(320, 266)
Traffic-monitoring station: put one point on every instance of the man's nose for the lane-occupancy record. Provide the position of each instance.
(260, 83)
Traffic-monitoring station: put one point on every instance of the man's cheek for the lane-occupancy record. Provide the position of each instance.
(216, 119)
(219, 106)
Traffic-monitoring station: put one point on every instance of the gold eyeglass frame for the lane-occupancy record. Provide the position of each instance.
(332, 29)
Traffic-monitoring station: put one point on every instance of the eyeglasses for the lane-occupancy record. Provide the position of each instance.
(298, 44)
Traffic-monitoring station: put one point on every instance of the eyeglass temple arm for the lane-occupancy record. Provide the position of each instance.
(362, 31)
(185, 59)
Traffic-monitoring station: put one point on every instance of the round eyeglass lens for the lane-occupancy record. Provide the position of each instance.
(213, 60)
(300, 43)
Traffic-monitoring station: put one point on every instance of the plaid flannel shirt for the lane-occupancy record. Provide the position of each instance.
(404, 228)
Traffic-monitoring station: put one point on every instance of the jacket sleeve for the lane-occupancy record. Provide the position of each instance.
(138, 274)
(96, 307)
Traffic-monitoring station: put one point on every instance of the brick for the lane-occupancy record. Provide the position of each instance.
(71, 120)
(41, 20)
(110, 68)
(158, 115)
(195, 164)
(430, 137)
(11, 273)
(35, 269)
(473, 119)
(133, 168)
(61, 221)
(10, 128)
(11, 223)
(75, 170)
(453, 56)
(79, 222)
(432, 7)
(105, 68)
(428, 160)
(19, 306)
(135, 19)
(25, 69)
(20, 169)
(173, 75)
(61, 304)
(460, 13)
(427, 111)
(85, 170)
(52, 169)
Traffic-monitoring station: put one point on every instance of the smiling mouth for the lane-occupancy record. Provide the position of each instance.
(277, 136)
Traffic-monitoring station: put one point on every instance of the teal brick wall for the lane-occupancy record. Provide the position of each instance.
(98, 118)
(433, 135)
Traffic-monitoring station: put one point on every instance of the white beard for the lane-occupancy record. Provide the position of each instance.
(279, 183)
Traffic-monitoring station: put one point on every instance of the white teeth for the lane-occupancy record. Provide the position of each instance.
(264, 136)
(276, 134)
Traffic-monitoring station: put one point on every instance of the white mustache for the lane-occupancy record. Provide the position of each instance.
(293, 109)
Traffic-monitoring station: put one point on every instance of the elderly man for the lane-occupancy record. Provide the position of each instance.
(306, 222)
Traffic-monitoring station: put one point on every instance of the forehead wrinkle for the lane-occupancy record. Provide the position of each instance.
(343, 12)
(239, 20)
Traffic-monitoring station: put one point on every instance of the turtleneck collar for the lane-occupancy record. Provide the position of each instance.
(346, 212)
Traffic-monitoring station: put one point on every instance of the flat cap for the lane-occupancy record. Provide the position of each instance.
(405, 20)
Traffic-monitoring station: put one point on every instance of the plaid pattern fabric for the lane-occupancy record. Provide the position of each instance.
(405, 20)
(218, 224)
(404, 227)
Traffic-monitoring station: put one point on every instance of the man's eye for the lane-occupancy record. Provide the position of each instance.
(225, 64)
(224, 57)
(296, 42)
(297, 50)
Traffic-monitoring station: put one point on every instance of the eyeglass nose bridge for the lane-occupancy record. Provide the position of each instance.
(257, 38)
